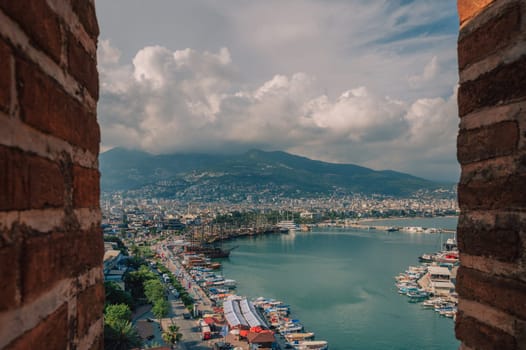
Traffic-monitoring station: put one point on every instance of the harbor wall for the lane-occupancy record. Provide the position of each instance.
(51, 248)
(491, 281)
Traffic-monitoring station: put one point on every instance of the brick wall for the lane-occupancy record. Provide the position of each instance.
(51, 291)
(492, 189)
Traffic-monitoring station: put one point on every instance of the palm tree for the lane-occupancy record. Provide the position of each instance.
(171, 335)
(121, 335)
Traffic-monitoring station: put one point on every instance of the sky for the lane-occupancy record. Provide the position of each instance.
(368, 82)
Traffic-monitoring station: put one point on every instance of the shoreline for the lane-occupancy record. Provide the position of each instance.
(405, 218)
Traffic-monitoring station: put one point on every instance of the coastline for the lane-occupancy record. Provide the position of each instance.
(404, 218)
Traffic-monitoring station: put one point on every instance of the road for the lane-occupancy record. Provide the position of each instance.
(188, 327)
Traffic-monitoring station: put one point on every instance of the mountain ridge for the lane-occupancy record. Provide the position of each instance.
(279, 172)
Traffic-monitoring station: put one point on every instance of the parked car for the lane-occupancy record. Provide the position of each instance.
(187, 316)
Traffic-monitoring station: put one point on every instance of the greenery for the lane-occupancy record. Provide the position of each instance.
(160, 308)
(172, 335)
(115, 295)
(257, 172)
(121, 335)
(183, 294)
(134, 281)
(141, 252)
(117, 312)
(135, 262)
(153, 290)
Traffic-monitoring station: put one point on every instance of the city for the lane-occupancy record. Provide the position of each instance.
(172, 241)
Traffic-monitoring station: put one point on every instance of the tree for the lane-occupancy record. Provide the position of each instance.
(135, 250)
(160, 308)
(115, 295)
(171, 335)
(117, 312)
(121, 335)
(135, 281)
(135, 262)
(153, 290)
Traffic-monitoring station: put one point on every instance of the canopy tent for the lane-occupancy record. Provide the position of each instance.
(239, 312)
(250, 314)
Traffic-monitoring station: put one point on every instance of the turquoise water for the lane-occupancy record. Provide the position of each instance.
(340, 284)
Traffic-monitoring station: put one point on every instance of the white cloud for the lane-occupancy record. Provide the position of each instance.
(108, 54)
(189, 101)
(430, 73)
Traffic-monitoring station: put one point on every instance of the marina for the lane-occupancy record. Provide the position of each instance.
(247, 324)
(340, 283)
(337, 283)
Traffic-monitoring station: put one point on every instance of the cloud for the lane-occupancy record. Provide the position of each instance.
(192, 101)
(430, 72)
(343, 43)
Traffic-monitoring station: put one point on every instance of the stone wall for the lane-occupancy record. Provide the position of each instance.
(492, 189)
(51, 281)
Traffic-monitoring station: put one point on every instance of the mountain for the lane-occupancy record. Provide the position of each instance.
(253, 173)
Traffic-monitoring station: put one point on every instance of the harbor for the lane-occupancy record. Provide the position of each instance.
(328, 287)
(230, 321)
(339, 282)
(432, 283)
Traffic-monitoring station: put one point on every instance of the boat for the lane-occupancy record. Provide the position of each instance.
(426, 258)
(292, 337)
(451, 244)
(230, 283)
(418, 296)
(310, 345)
(287, 226)
(209, 251)
(291, 326)
(431, 303)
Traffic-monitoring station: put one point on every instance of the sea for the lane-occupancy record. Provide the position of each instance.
(340, 283)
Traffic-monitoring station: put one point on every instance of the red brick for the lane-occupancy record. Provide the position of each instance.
(86, 14)
(40, 23)
(14, 184)
(53, 257)
(500, 241)
(469, 8)
(5, 74)
(90, 305)
(487, 142)
(89, 249)
(46, 183)
(506, 83)
(51, 333)
(83, 66)
(86, 187)
(492, 36)
(47, 107)
(502, 293)
(481, 336)
(499, 193)
(28, 181)
(9, 269)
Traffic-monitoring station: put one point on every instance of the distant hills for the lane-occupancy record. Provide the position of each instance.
(254, 173)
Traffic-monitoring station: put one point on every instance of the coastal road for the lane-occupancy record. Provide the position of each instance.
(188, 327)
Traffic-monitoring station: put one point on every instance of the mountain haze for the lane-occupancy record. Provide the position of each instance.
(255, 171)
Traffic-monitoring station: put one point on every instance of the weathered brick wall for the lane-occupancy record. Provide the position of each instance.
(492, 189)
(51, 291)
